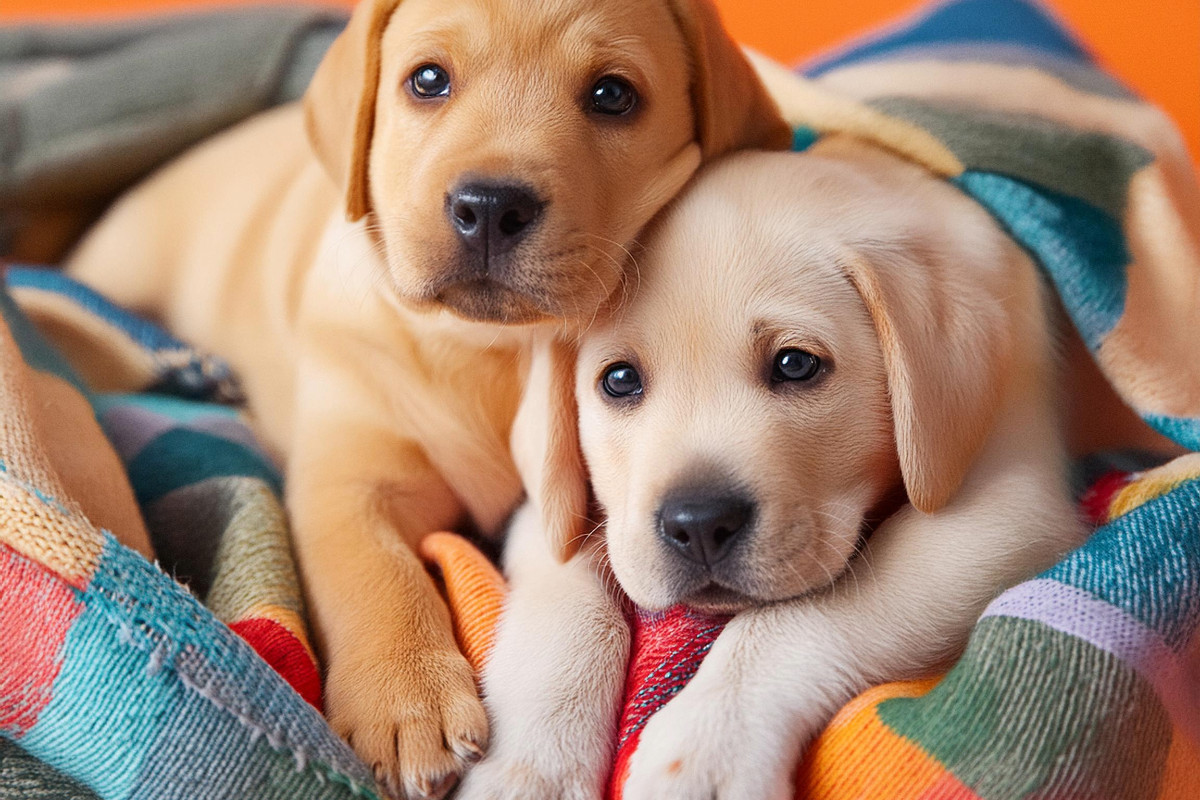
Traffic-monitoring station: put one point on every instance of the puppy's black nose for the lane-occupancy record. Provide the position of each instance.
(703, 529)
(492, 218)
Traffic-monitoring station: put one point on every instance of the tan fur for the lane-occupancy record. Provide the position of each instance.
(940, 383)
(382, 379)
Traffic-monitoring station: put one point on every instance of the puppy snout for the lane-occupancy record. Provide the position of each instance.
(492, 218)
(704, 528)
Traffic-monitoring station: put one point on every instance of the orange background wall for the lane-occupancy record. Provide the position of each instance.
(1154, 45)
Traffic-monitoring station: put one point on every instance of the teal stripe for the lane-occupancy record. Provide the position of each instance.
(1181, 430)
(1146, 563)
(182, 457)
(107, 708)
(1080, 247)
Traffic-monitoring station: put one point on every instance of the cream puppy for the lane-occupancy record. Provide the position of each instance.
(828, 409)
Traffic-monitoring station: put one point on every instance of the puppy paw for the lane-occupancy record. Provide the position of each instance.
(418, 722)
(527, 779)
(713, 744)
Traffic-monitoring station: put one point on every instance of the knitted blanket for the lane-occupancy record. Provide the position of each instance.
(111, 672)
(192, 678)
(1077, 683)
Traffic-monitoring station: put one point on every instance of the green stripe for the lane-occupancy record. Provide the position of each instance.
(1091, 166)
(181, 457)
(254, 561)
(1029, 711)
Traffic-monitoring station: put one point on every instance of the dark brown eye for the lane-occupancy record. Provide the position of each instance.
(613, 96)
(621, 381)
(793, 364)
(430, 80)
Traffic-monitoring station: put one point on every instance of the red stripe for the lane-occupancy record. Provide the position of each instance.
(1097, 500)
(285, 653)
(36, 610)
(667, 650)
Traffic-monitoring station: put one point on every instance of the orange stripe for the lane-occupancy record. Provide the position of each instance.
(475, 591)
(858, 757)
(1181, 774)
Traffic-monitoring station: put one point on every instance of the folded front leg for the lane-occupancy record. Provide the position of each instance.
(361, 495)
(553, 683)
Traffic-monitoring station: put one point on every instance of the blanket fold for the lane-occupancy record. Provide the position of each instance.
(87, 109)
(225, 694)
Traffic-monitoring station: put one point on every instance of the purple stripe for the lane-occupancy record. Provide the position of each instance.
(1106, 627)
(130, 428)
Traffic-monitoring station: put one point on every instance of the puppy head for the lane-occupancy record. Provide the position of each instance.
(507, 152)
(804, 343)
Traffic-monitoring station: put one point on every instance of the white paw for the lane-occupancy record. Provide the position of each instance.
(501, 778)
(714, 743)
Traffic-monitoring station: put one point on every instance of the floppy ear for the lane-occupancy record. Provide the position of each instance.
(339, 106)
(545, 445)
(946, 345)
(732, 107)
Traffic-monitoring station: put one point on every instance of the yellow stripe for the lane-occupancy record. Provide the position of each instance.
(1154, 484)
(1001, 88)
(803, 103)
(1150, 355)
(55, 534)
(64, 543)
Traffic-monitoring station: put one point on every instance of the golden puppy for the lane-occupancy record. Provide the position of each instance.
(491, 160)
(829, 408)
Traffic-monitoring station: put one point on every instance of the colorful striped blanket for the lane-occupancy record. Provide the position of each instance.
(117, 682)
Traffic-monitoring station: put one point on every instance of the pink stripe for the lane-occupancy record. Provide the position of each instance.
(1106, 627)
(37, 609)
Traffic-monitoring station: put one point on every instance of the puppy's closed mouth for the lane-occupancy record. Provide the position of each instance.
(486, 300)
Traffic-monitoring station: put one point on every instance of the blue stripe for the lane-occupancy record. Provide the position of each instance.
(1011, 22)
(145, 333)
(37, 352)
(1081, 248)
(1146, 563)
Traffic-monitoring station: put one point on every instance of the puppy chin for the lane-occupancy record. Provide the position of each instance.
(699, 593)
(719, 601)
(484, 300)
